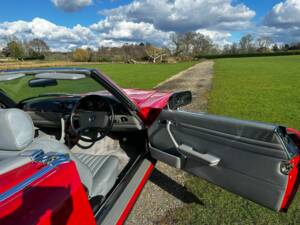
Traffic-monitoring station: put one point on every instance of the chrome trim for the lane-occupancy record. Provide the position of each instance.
(168, 127)
(173, 139)
(35, 154)
(52, 160)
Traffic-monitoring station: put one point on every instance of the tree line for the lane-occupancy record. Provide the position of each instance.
(126, 53)
(33, 49)
(185, 46)
(249, 44)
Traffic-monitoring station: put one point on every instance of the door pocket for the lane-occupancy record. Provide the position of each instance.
(169, 157)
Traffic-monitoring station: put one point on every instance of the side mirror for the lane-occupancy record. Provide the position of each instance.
(180, 99)
(42, 82)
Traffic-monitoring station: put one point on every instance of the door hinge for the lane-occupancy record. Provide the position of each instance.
(286, 167)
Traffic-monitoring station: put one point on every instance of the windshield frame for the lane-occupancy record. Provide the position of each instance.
(98, 76)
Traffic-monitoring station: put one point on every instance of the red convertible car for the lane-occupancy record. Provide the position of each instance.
(77, 149)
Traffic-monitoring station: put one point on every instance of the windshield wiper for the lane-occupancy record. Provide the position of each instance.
(45, 95)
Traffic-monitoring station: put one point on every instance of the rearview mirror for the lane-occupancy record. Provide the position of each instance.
(180, 99)
(42, 82)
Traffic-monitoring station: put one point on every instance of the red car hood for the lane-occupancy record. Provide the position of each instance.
(150, 103)
(148, 98)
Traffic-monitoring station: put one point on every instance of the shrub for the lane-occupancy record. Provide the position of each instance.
(81, 55)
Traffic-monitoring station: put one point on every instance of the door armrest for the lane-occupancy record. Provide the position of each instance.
(211, 160)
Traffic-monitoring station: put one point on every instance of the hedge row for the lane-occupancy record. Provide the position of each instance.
(248, 55)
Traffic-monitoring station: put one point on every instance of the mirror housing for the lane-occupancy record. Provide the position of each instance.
(42, 82)
(179, 99)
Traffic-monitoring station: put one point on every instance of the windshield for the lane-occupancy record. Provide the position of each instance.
(20, 86)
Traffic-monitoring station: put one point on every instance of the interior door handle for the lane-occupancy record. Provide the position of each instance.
(211, 160)
(187, 150)
(168, 126)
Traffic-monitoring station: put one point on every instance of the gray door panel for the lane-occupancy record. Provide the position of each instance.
(243, 157)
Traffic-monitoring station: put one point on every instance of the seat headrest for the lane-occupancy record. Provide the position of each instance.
(16, 129)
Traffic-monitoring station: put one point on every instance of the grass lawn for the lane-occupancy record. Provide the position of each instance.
(262, 89)
(144, 76)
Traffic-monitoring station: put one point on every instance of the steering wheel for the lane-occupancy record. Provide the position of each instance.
(92, 118)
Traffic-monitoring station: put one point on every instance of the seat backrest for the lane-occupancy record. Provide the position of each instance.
(16, 130)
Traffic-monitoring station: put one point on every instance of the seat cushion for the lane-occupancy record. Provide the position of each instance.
(104, 170)
(52, 145)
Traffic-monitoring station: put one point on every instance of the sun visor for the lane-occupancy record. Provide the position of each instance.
(7, 77)
(61, 76)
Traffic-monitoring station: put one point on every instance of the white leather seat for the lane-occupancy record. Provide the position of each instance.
(97, 173)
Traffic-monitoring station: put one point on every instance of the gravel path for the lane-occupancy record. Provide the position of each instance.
(165, 190)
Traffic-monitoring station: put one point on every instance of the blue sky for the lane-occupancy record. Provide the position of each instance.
(27, 10)
(261, 7)
(67, 24)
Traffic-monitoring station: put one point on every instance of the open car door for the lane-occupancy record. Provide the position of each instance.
(254, 160)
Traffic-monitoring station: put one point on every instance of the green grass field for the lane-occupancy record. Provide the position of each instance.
(262, 89)
(144, 76)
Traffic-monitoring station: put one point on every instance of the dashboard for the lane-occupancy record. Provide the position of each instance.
(49, 112)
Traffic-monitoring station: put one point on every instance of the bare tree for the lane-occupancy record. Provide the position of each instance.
(226, 49)
(39, 46)
(234, 49)
(175, 39)
(275, 48)
(264, 43)
(192, 44)
(154, 53)
(202, 44)
(246, 44)
(231, 49)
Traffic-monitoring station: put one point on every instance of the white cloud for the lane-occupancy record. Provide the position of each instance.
(131, 32)
(184, 15)
(71, 5)
(282, 23)
(219, 37)
(62, 38)
(58, 37)
(139, 21)
(284, 14)
(110, 43)
(155, 20)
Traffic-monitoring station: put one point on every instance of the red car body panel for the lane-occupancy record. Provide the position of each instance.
(135, 196)
(292, 185)
(294, 175)
(14, 177)
(148, 98)
(57, 198)
(150, 103)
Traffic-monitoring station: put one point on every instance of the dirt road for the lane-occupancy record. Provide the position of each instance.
(165, 190)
